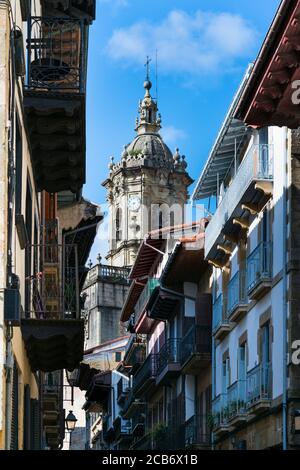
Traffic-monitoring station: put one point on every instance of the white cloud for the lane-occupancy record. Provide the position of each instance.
(195, 44)
(172, 135)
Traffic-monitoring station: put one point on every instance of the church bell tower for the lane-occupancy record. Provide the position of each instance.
(141, 187)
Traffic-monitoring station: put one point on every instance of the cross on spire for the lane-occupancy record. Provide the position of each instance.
(147, 65)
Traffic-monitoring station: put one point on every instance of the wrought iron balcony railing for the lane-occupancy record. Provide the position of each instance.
(52, 288)
(259, 384)
(55, 54)
(197, 340)
(237, 294)
(197, 431)
(147, 370)
(256, 165)
(219, 313)
(144, 297)
(219, 410)
(170, 353)
(236, 399)
(259, 265)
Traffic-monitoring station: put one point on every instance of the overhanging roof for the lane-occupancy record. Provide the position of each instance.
(186, 263)
(231, 138)
(146, 256)
(267, 98)
(133, 295)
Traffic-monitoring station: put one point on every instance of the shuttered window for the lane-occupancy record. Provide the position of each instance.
(14, 439)
(34, 425)
(26, 419)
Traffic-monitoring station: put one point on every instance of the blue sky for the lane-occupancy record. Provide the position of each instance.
(203, 47)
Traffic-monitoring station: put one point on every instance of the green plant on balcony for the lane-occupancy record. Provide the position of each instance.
(212, 420)
(160, 435)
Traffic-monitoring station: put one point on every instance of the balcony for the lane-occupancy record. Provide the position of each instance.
(143, 323)
(144, 297)
(237, 303)
(196, 349)
(139, 422)
(169, 361)
(52, 413)
(52, 329)
(122, 390)
(132, 405)
(135, 353)
(259, 271)
(236, 403)
(247, 194)
(108, 430)
(144, 379)
(104, 273)
(220, 422)
(122, 430)
(54, 101)
(259, 389)
(221, 323)
(84, 9)
(163, 304)
(197, 433)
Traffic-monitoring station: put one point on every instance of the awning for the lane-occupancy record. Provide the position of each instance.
(146, 256)
(163, 305)
(53, 344)
(133, 295)
(229, 145)
(267, 98)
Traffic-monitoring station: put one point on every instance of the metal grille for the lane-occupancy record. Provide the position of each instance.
(52, 288)
(55, 48)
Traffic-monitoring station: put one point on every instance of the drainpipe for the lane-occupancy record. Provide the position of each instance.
(284, 299)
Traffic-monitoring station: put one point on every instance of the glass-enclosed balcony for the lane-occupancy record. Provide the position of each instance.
(221, 324)
(237, 303)
(259, 270)
(258, 396)
(144, 297)
(247, 194)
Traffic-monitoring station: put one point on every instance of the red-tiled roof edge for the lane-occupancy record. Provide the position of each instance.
(256, 73)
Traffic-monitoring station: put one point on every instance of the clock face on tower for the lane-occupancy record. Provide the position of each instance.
(134, 203)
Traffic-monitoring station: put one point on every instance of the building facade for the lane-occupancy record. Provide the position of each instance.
(42, 122)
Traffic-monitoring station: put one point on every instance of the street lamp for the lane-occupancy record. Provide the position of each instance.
(71, 421)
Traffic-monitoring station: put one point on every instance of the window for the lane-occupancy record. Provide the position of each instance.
(19, 167)
(119, 224)
(118, 356)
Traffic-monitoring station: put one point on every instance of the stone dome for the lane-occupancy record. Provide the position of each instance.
(149, 149)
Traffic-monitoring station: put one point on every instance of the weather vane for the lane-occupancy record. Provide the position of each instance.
(147, 65)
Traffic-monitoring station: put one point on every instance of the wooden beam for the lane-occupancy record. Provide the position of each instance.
(227, 249)
(216, 264)
(252, 208)
(265, 186)
(244, 223)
